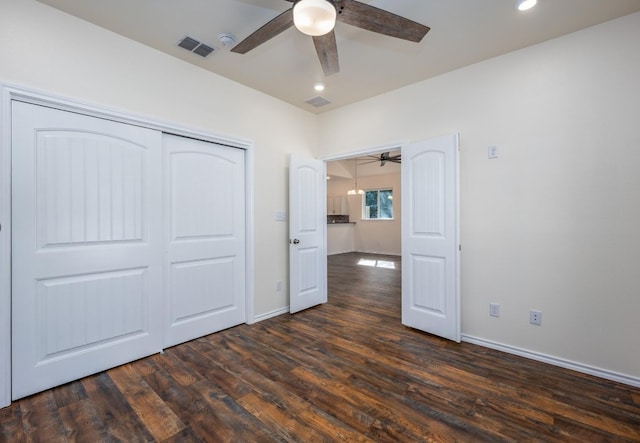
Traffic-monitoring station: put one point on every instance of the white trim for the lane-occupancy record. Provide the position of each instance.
(339, 252)
(366, 151)
(268, 315)
(391, 254)
(555, 361)
(64, 104)
(458, 240)
(10, 92)
(249, 164)
(5, 248)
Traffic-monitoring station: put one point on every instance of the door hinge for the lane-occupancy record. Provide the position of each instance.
(459, 247)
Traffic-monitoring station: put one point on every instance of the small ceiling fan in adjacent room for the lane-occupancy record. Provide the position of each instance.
(384, 158)
(317, 18)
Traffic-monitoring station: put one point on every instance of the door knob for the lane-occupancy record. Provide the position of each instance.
(295, 241)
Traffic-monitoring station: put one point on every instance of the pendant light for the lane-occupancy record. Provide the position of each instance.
(314, 17)
(356, 190)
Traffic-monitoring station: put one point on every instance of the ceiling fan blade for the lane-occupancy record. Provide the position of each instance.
(279, 24)
(327, 50)
(378, 20)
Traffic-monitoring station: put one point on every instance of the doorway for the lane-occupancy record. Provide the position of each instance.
(430, 246)
(363, 238)
(364, 212)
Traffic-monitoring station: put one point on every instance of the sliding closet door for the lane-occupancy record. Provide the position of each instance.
(205, 219)
(86, 245)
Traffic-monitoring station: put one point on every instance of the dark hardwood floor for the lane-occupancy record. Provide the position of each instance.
(344, 371)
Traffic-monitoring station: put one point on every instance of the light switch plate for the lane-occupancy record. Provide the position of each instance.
(492, 152)
(281, 215)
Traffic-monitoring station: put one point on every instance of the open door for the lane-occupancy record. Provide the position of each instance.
(430, 244)
(307, 233)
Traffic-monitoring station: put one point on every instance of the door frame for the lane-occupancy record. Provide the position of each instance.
(8, 93)
(394, 146)
(366, 151)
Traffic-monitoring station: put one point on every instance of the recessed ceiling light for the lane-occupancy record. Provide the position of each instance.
(319, 87)
(523, 5)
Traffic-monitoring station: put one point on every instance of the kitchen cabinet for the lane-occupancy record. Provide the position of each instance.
(337, 205)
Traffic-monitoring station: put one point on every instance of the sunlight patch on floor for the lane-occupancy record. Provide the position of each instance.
(377, 263)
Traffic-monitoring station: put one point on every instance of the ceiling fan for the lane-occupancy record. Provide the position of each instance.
(317, 18)
(384, 158)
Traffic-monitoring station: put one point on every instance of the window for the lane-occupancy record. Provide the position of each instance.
(377, 205)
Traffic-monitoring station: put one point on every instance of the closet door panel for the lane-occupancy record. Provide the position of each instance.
(86, 245)
(205, 264)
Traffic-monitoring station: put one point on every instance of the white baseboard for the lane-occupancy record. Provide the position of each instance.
(267, 315)
(340, 252)
(395, 254)
(563, 363)
(365, 252)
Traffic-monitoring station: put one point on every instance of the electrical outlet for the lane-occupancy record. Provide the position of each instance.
(535, 317)
(278, 285)
(494, 309)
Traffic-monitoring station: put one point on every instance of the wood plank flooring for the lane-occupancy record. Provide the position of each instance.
(344, 371)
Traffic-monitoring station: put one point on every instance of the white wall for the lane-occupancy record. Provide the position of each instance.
(340, 238)
(45, 49)
(553, 223)
(374, 236)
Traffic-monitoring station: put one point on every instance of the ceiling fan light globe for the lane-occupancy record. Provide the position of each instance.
(524, 5)
(314, 17)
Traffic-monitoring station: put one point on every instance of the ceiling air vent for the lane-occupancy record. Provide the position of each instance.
(193, 45)
(203, 50)
(318, 101)
(188, 43)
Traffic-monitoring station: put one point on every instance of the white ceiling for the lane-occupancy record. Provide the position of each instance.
(462, 32)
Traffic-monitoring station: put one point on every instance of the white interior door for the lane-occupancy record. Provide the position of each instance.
(205, 268)
(307, 233)
(86, 250)
(430, 263)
